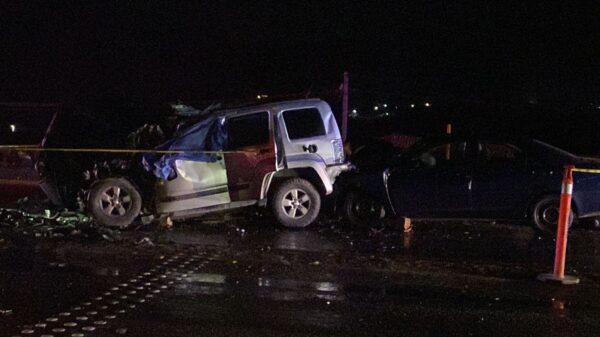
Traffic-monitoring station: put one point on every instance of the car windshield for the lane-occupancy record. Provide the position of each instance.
(417, 148)
(541, 146)
(23, 127)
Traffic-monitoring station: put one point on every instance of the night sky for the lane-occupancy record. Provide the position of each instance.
(150, 52)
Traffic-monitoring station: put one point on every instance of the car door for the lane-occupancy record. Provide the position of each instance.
(500, 179)
(251, 140)
(18, 174)
(434, 181)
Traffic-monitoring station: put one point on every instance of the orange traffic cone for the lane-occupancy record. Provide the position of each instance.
(562, 232)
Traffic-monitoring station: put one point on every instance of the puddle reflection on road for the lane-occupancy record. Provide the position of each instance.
(304, 241)
(293, 290)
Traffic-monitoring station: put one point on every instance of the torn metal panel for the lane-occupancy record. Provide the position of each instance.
(208, 135)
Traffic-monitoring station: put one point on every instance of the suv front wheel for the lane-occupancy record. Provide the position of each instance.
(114, 202)
(296, 203)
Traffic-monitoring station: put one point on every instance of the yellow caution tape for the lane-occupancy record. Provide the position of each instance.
(586, 170)
(31, 148)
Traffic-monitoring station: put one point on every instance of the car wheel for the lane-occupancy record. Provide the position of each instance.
(545, 214)
(114, 202)
(296, 203)
(362, 210)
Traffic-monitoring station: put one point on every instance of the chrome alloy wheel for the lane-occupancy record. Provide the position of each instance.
(115, 202)
(296, 203)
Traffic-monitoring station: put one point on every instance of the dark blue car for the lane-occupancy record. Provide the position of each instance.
(462, 177)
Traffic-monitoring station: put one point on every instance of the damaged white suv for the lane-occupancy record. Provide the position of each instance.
(283, 155)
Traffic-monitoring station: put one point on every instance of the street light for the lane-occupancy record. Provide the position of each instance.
(427, 104)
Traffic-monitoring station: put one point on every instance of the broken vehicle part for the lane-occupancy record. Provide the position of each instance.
(208, 135)
(16, 224)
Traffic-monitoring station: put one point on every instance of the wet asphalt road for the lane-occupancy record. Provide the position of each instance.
(240, 278)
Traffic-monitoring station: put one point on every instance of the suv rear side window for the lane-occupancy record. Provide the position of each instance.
(248, 130)
(303, 123)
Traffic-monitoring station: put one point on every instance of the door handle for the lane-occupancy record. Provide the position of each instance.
(312, 148)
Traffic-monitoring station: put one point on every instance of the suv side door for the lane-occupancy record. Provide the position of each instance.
(250, 134)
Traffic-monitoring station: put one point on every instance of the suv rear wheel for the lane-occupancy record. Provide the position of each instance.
(114, 202)
(296, 203)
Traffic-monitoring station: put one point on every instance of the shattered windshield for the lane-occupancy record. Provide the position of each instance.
(23, 127)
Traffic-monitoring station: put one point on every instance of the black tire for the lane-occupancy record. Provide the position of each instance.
(544, 214)
(362, 210)
(114, 202)
(288, 210)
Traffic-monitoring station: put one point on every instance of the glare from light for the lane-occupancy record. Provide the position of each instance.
(354, 111)
(385, 105)
(207, 278)
(427, 104)
(376, 108)
(258, 97)
(412, 105)
(326, 286)
(13, 128)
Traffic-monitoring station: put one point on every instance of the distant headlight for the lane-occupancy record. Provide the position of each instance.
(338, 150)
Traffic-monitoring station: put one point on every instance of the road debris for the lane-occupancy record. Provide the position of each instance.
(16, 224)
(145, 241)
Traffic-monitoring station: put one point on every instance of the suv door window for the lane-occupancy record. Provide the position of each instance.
(248, 130)
(303, 123)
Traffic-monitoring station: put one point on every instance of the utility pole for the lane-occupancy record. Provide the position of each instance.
(448, 132)
(345, 90)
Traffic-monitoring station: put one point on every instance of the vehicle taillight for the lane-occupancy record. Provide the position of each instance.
(338, 150)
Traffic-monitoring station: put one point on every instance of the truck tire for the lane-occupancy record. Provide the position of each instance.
(114, 202)
(296, 203)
